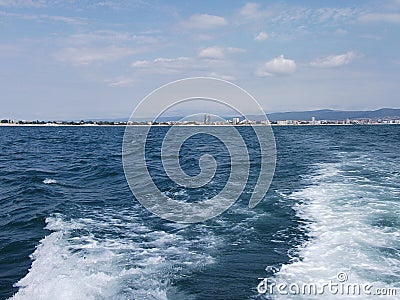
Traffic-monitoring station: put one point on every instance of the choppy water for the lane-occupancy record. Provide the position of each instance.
(71, 229)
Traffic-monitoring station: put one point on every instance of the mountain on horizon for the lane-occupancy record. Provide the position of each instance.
(329, 114)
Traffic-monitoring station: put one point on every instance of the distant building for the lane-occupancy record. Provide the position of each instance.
(235, 121)
(313, 121)
(207, 119)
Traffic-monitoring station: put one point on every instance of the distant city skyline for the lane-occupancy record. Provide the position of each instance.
(98, 59)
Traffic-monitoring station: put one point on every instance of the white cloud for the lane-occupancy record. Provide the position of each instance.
(333, 61)
(324, 14)
(253, 11)
(195, 66)
(22, 3)
(86, 56)
(171, 60)
(108, 4)
(277, 66)
(212, 53)
(205, 21)
(289, 14)
(110, 36)
(218, 52)
(122, 82)
(249, 9)
(163, 65)
(221, 76)
(235, 50)
(44, 17)
(380, 17)
(262, 36)
(140, 63)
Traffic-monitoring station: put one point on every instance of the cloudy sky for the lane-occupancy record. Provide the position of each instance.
(98, 59)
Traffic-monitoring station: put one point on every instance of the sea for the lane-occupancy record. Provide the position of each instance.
(70, 227)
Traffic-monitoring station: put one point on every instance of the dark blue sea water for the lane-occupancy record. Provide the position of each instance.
(70, 227)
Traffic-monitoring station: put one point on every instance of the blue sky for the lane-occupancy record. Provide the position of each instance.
(98, 59)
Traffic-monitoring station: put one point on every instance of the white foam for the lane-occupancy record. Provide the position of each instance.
(340, 211)
(49, 181)
(131, 262)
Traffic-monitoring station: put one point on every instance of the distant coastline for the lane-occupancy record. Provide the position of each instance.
(189, 125)
(299, 118)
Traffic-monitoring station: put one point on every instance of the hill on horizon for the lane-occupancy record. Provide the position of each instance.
(329, 114)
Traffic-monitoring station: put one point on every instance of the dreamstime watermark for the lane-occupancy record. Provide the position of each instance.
(139, 150)
(340, 287)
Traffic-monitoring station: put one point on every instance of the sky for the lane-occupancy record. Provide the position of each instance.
(98, 59)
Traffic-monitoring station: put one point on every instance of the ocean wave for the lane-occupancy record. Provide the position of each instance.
(134, 262)
(341, 210)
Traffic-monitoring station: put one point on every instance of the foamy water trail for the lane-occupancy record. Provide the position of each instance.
(49, 181)
(352, 226)
(127, 261)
